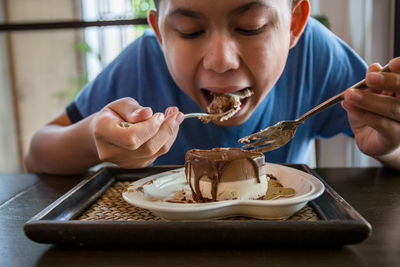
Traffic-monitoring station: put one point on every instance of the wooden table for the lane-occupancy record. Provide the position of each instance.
(374, 192)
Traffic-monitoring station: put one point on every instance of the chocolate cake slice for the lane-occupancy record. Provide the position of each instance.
(225, 173)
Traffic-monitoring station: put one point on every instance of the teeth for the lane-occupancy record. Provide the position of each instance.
(242, 94)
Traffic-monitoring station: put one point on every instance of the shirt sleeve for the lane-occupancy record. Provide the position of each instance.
(73, 112)
(121, 78)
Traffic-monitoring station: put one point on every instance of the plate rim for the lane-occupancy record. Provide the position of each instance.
(163, 206)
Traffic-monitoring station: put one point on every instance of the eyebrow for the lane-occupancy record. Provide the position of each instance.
(248, 6)
(186, 13)
(237, 11)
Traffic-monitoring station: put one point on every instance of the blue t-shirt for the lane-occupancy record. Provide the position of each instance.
(318, 67)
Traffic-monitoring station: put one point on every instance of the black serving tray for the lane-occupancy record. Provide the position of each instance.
(339, 224)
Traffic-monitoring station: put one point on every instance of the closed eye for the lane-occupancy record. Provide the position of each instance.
(190, 35)
(249, 32)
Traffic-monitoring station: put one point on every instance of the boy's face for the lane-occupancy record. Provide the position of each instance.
(225, 46)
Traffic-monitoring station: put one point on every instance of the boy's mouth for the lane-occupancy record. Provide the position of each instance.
(225, 105)
(209, 96)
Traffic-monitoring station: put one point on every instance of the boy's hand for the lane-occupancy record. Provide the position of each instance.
(138, 145)
(374, 114)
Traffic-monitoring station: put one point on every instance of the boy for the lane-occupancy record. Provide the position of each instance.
(289, 61)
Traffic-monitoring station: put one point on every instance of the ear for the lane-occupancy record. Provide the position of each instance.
(300, 14)
(152, 18)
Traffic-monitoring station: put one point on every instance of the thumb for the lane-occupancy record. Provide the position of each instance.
(139, 115)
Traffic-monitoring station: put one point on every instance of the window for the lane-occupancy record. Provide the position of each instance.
(105, 43)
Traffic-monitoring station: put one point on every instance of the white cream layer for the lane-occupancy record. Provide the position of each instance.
(240, 189)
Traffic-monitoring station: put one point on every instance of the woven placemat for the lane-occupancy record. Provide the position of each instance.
(112, 207)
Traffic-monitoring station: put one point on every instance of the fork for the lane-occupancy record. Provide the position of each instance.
(282, 132)
(206, 117)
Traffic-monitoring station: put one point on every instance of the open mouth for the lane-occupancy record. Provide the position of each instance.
(226, 105)
(209, 96)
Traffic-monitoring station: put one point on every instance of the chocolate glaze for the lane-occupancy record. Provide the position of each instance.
(212, 163)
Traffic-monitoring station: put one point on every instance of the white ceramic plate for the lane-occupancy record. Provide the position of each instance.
(165, 184)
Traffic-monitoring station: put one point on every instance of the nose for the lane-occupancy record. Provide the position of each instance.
(221, 54)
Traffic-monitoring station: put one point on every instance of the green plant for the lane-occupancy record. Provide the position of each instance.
(78, 81)
(140, 9)
(323, 19)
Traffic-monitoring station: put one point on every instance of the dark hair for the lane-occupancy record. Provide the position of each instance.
(157, 3)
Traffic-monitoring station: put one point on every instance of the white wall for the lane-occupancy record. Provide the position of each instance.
(9, 162)
(45, 64)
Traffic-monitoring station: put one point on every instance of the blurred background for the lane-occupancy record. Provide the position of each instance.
(50, 49)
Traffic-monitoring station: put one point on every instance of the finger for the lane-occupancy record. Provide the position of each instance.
(394, 65)
(123, 158)
(374, 68)
(161, 142)
(382, 105)
(131, 137)
(170, 110)
(167, 146)
(139, 115)
(388, 81)
(124, 106)
(129, 110)
(359, 119)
